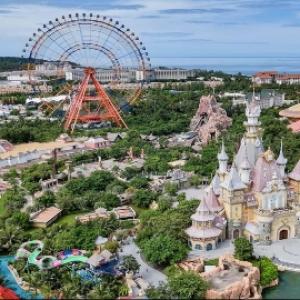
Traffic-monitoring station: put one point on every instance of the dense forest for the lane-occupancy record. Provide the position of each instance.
(12, 63)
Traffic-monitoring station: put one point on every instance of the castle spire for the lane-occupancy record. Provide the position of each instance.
(252, 113)
(223, 159)
(281, 161)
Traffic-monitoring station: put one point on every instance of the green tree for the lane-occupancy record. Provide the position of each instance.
(143, 198)
(187, 285)
(268, 270)
(112, 246)
(139, 183)
(243, 249)
(20, 219)
(164, 202)
(130, 264)
(162, 291)
(163, 250)
(13, 199)
(171, 188)
(46, 200)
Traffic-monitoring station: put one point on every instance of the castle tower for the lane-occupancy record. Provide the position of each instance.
(281, 162)
(223, 161)
(294, 181)
(203, 234)
(232, 197)
(245, 170)
(252, 124)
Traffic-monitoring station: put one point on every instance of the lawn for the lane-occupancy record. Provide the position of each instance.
(68, 219)
(2, 208)
(138, 210)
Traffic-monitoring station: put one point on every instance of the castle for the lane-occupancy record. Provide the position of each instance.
(254, 198)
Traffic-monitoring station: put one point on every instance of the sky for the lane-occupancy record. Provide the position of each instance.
(172, 29)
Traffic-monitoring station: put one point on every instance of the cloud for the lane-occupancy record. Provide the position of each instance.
(150, 17)
(199, 22)
(294, 24)
(215, 22)
(90, 4)
(5, 11)
(269, 4)
(191, 40)
(195, 10)
(165, 34)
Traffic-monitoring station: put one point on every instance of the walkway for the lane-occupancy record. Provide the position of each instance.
(194, 193)
(149, 274)
(284, 252)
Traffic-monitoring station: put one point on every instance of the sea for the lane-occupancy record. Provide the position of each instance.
(232, 65)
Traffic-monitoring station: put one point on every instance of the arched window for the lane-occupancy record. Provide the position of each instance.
(198, 247)
(236, 234)
(209, 247)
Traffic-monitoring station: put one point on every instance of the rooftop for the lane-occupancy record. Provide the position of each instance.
(46, 215)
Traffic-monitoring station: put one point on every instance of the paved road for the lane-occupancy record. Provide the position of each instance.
(148, 273)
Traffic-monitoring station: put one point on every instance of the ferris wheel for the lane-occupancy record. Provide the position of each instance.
(108, 59)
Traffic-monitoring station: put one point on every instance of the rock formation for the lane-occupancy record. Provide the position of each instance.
(210, 119)
(233, 279)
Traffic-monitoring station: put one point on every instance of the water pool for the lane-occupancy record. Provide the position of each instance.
(288, 288)
(10, 281)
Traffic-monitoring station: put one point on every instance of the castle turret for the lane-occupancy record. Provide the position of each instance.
(252, 124)
(281, 162)
(223, 160)
(207, 228)
(245, 169)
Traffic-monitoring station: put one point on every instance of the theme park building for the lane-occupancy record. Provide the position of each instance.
(254, 198)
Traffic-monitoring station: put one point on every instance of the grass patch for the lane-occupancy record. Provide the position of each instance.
(68, 219)
(212, 262)
(138, 210)
(2, 208)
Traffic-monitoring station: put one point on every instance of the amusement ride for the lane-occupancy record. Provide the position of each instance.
(102, 64)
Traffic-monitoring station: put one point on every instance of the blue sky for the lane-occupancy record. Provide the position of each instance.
(173, 28)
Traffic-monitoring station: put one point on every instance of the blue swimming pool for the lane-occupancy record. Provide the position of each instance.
(10, 281)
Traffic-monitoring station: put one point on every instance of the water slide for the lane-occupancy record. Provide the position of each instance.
(46, 261)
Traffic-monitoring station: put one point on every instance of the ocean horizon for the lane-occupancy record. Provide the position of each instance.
(232, 65)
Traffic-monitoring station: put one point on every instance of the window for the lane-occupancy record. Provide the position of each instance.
(198, 247)
(273, 202)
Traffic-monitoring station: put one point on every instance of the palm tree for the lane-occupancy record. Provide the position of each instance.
(10, 234)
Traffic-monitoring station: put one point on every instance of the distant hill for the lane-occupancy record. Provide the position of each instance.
(12, 63)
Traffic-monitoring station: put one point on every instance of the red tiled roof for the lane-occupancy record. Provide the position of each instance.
(266, 73)
(295, 126)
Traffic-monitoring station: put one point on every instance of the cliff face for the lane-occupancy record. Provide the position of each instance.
(210, 119)
(233, 279)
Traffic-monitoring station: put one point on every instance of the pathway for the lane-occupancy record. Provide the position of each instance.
(285, 251)
(193, 193)
(149, 274)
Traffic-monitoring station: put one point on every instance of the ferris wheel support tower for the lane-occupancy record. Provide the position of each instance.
(111, 113)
